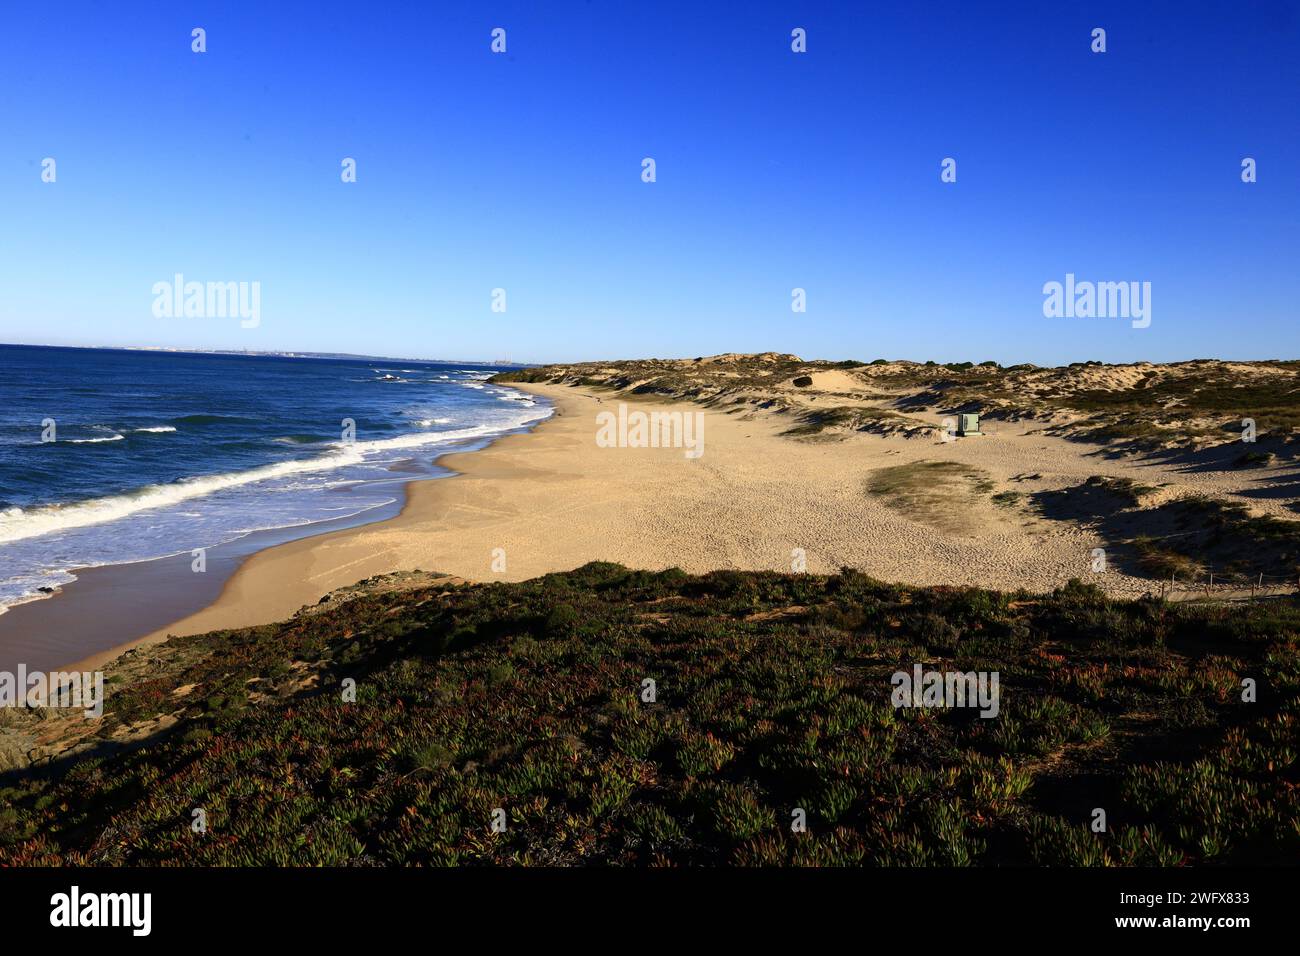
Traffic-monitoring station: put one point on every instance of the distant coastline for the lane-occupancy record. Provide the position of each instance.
(499, 363)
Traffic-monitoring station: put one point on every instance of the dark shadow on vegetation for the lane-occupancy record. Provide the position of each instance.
(771, 691)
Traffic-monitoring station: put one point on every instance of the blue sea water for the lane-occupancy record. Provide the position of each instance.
(157, 453)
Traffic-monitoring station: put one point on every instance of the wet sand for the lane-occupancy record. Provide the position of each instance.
(114, 605)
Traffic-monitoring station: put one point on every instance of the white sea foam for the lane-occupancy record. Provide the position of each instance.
(18, 524)
(28, 587)
(158, 429)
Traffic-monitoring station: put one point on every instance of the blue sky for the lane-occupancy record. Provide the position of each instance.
(775, 170)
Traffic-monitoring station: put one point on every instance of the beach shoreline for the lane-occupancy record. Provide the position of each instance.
(140, 599)
(273, 588)
(551, 499)
(229, 606)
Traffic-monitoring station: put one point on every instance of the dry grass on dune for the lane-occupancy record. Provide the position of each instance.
(1183, 404)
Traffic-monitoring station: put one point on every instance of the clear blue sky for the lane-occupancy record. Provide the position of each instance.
(775, 170)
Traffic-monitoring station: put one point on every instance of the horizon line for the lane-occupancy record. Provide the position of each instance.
(309, 354)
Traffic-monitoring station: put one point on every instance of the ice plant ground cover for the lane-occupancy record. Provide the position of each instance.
(772, 695)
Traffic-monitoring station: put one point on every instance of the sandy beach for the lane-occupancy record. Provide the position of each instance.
(552, 499)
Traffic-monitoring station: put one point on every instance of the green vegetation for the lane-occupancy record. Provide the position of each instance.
(1210, 533)
(851, 417)
(1270, 401)
(939, 493)
(1125, 489)
(1160, 561)
(772, 693)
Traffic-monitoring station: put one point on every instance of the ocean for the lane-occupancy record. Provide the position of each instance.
(113, 456)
